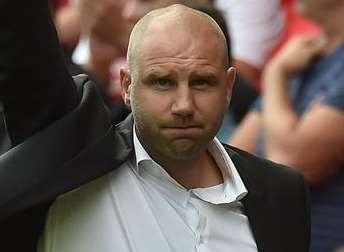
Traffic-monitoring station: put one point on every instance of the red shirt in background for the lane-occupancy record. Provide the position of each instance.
(295, 24)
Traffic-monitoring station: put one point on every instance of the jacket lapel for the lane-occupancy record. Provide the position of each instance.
(258, 204)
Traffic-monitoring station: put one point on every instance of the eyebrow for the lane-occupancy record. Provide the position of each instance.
(206, 75)
(156, 74)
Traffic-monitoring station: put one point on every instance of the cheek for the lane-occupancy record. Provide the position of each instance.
(212, 107)
(148, 109)
(215, 101)
(151, 104)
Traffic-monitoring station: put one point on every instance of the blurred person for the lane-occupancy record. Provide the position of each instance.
(122, 187)
(76, 17)
(103, 40)
(301, 117)
(104, 35)
(295, 24)
(67, 20)
(255, 28)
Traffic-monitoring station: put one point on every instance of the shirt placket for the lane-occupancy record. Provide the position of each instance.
(197, 221)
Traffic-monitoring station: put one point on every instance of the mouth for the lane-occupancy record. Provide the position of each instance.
(188, 131)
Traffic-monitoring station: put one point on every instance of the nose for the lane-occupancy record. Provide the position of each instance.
(183, 104)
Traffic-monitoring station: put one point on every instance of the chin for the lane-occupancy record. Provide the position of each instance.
(185, 150)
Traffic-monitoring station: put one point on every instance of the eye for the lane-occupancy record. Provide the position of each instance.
(162, 83)
(201, 84)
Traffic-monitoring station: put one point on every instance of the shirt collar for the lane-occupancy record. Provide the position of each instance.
(140, 152)
(233, 185)
(233, 189)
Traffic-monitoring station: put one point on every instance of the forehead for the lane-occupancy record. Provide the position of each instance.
(174, 43)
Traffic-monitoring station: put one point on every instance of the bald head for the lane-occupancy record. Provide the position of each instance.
(172, 20)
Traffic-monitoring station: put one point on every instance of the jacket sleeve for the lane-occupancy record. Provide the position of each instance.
(35, 86)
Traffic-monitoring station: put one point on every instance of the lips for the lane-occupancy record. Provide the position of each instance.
(181, 125)
(182, 131)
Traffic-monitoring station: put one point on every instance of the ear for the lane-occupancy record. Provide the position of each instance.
(125, 79)
(230, 78)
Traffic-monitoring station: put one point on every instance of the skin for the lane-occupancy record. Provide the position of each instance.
(178, 90)
(313, 143)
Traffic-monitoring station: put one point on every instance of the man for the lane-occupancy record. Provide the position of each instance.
(302, 117)
(104, 39)
(131, 11)
(159, 181)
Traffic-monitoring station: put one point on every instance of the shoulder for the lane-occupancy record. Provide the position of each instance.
(263, 173)
(277, 196)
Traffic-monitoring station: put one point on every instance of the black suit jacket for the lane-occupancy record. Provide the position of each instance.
(62, 138)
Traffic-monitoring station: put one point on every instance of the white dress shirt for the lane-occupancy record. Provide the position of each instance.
(139, 207)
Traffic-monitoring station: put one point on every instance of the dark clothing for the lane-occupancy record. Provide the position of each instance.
(30, 61)
(118, 110)
(4, 139)
(64, 138)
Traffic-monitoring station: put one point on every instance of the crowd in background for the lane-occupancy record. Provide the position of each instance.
(288, 101)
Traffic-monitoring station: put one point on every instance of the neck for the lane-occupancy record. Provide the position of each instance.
(197, 173)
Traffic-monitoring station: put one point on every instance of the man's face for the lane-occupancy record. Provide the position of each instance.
(180, 92)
